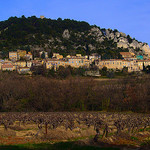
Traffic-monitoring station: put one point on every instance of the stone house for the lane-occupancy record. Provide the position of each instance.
(13, 56)
(8, 66)
(118, 64)
(50, 63)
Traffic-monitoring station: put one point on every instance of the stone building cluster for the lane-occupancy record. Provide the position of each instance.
(21, 61)
(129, 60)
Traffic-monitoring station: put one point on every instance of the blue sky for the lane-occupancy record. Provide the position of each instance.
(129, 16)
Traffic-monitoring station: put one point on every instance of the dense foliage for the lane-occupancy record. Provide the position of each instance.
(18, 93)
(34, 33)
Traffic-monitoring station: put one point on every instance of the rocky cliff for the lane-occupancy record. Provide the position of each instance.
(66, 37)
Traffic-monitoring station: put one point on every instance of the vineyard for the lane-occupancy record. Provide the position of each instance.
(85, 111)
(110, 128)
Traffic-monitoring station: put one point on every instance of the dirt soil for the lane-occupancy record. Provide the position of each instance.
(23, 134)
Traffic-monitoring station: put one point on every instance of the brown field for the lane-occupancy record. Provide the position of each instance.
(23, 132)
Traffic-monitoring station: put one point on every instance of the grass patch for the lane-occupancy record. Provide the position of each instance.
(56, 146)
(83, 129)
(134, 138)
(147, 129)
(146, 142)
(110, 134)
(91, 136)
(141, 130)
(76, 139)
(81, 138)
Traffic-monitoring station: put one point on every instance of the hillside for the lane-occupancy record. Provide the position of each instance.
(66, 37)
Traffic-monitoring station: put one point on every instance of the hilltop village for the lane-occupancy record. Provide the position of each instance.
(22, 61)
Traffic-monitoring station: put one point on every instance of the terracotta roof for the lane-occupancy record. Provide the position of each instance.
(12, 52)
(24, 68)
(143, 60)
(77, 58)
(127, 53)
(114, 60)
(7, 66)
(54, 59)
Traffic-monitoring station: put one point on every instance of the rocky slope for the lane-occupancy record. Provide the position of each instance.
(66, 37)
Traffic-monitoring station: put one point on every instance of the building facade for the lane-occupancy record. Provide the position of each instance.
(13, 56)
(118, 64)
(8, 66)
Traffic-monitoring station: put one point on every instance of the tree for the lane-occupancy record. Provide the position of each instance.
(115, 30)
(51, 72)
(59, 19)
(104, 71)
(63, 72)
(28, 48)
(38, 70)
(87, 49)
(125, 70)
(23, 17)
(110, 74)
(148, 69)
(144, 68)
(43, 55)
(51, 54)
(129, 39)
